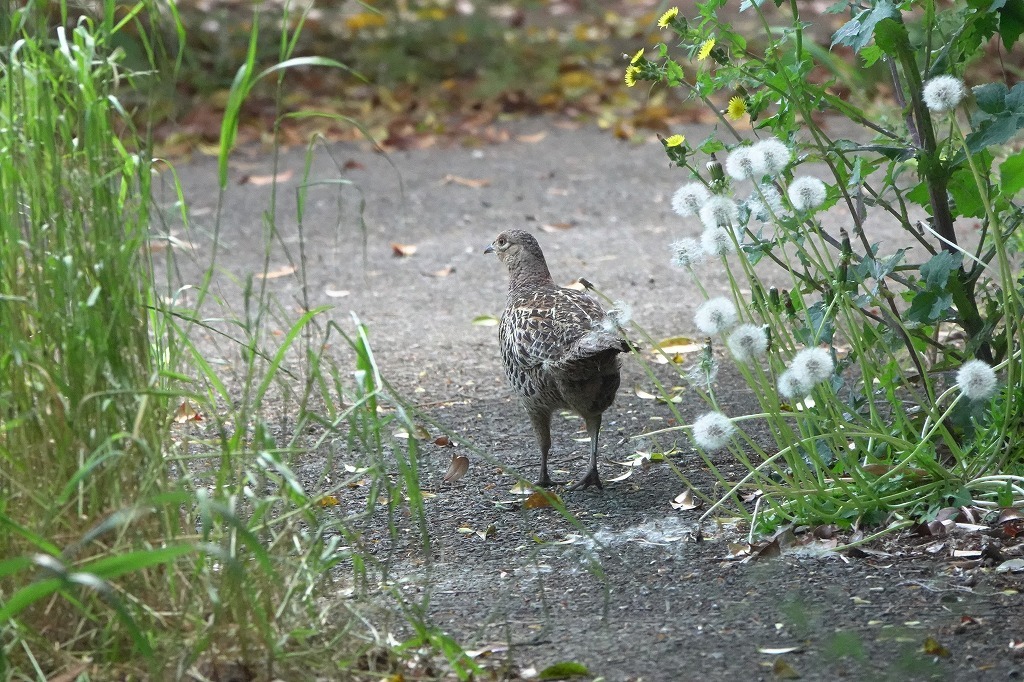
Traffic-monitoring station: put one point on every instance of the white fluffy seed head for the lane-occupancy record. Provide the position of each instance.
(717, 242)
(618, 316)
(766, 204)
(977, 380)
(744, 163)
(719, 211)
(775, 155)
(812, 365)
(712, 431)
(748, 342)
(689, 199)
(943, 93)
(687, 252)
(807, 193)
(790, 386)
(715, 316)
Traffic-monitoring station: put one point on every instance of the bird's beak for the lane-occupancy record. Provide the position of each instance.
(489, 249)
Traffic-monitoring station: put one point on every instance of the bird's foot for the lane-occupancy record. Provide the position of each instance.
(592, 478)
(546, 482)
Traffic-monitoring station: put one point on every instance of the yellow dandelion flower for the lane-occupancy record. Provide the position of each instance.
(705, 49)
(737, 108)
(637, 56)
(674, 141)
(631, 72)
(667, 17)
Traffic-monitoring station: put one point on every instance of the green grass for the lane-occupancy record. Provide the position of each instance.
(148, 543)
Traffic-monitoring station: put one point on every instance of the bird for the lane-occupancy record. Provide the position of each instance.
(559, 348)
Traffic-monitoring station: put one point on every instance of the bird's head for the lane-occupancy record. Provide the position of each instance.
(517, 249)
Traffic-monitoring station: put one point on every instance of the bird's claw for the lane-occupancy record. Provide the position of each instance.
(592, 478)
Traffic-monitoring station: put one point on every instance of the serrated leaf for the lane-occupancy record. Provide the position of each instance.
(936, 270)
(965, 193)
(858, 32)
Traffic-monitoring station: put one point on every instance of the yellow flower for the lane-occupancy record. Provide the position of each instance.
(674, 141)
(631, 72)
(637, 56)
(705, 49)
(737, 108)
(667, 17)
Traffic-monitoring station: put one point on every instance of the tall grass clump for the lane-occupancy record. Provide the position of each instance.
(151, 520)
(889, 374)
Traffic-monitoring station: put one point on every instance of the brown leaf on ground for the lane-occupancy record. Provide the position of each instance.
(443, 272)
(475, 183)
(685, 501)
(261, 180)
(532, 139)
(457, 469)
(282, 271)
(557, 227)
(538, 499)
(402, 250)
(185, 413)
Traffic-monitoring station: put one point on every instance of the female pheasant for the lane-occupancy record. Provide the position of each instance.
(559, 349)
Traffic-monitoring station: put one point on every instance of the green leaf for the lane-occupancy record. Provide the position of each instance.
(857, 32)
(892, 37)
(1011, 22)
(964, 189)
(936, 271)
(1011, 175)
(991, 97)
(564, 670)
(929, 306)
(997, 130)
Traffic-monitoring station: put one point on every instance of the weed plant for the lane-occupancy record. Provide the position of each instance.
(888, 374)
(151, 521)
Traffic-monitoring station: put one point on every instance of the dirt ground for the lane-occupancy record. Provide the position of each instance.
(624, 587)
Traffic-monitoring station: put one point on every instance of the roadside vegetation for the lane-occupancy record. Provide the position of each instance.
(152, 523)
(890, 377)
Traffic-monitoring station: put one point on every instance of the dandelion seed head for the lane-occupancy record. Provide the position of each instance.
(790, 386)
(703, 374)
(715, 316)
(748, 342)
(977, 380)
(766, 204)
(689, 199)
(618, 316)
(775, 155)
(712, 431)
(719, 211)
(717, 242)
(807, 193)
(687, 252)
(744, 163)
(812, 365)
(943, 93)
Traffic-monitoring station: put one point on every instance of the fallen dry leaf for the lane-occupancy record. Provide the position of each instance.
(328, 501)
(352, 164)
(261, 180)
(485, 321)
(466, 182)
(490, 532)
(402, 250)
(444, 442)
(783, 670)
(282, 271)
(337, 293)
(538, 499)
(933, 648)
(185, 413)
(642, 394)
(679, 344)
(556, 227)
(443, 272)
(685, 501)
(457, 469)
(532, 139)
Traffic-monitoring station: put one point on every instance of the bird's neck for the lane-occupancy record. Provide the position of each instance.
(529, 275)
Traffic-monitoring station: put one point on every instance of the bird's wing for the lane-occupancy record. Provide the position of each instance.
(553, 326)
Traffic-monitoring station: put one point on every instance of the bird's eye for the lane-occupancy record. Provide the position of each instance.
(501, 241)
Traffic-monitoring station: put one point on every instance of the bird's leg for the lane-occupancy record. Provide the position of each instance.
(592, 477)
(542, 428)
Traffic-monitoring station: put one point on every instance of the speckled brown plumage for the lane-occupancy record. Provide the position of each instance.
(558, 348)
